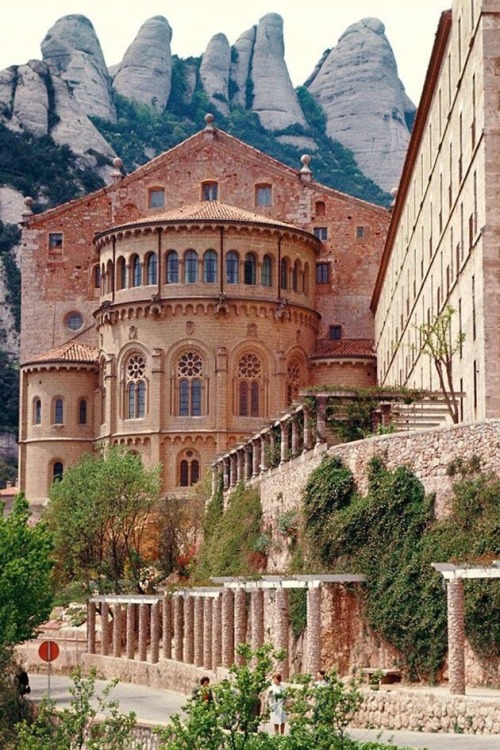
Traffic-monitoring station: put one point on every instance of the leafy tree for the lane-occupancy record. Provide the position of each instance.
(14, 708)
(436, 341)
(26, 590)
(102, 514)
(9, 388)
(81, 725)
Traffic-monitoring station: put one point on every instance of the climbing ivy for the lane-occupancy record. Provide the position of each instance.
(392, 537)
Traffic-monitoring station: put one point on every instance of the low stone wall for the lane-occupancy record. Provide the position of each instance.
(427, 712)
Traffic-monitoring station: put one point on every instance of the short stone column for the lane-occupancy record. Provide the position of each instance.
(233, 469)
(227, 628)
(155, 632)
(257, 618)
(105, 629)
(225, 475)
(215, 478)
(130, 630)
(167, 628)
(248, 462)
(91, 612)
(240, 621)
(198, 631)
(313, 629)
(143, 631)
(117, 630)
(207, 632)
(320, 419)
(284, 442)
(178, 617)
(255, 457)
(295, 436)
(456, 636)
(282, 635)
(264, 453)
(188, 629)
(240, 465)
(217, 632)
(307, 429)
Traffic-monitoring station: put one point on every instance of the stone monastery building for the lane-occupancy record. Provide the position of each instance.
(180, 309)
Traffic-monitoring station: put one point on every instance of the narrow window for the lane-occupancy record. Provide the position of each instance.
(320, 208)
(190, 267)
(184, 474)
(121, 273)
(267, 271)
(210, 267)
(135, 370)
(196, 398)
(58, 411)
(249, 374)
(37, 411)
(250, 269)
(232, 267)
(82, 411)
(57, 471)
(360, 232)
(284, 273)
(184, 398)
(152, 269)
(55, 240)
(172, 267)
(190, 381)
(335, 333)
(97, 277)
(141, 399)
(136, 271)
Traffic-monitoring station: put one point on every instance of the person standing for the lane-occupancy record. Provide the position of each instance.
(276, 699)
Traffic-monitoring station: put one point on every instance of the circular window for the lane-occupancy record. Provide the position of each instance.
(73, 321)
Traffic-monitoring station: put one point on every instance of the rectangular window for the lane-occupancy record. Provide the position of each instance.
(55, 240)
(335, 333)
(263, 195)
(360, 233)
(156, 198)
(322, 273)
(210, 191)
(321, 233)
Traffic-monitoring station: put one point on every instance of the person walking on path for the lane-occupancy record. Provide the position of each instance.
(276, 699)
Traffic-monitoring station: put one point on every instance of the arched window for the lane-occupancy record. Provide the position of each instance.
(294, 380)
(109, 276)
(121, 273)
(284, 273)
(190, 267)
(249, 385)
(135, 270)
(135, 380)
(190, 382)
(37, 411)
(267, 271)
(250, 269)
(152, 269)
(210, 267)
(172, 267)
(57, 471)
(232, 267)
(189, 468)
(97, 277)
(82, 411)
(58, 411)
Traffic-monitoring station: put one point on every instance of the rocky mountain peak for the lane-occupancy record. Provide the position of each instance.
(214, 72)
(367, 109)
(145, 73)
(72, 50)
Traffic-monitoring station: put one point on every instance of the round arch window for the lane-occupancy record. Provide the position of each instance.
(73, 321)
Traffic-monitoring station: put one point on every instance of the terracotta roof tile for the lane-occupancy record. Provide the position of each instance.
(70, 352)
(344, 349)
(212, 211)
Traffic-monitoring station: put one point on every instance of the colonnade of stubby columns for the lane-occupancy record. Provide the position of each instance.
(203, 626)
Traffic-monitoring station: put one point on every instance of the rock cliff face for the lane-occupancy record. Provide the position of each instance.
(214, 72)
(145, 73)
(365, 102)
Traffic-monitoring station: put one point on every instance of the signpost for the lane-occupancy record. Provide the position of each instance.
(48, 651)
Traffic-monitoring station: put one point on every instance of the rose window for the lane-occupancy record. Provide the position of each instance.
(136, 367)
(249, 366)
(189, 365)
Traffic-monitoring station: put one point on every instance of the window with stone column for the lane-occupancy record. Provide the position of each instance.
(249, 378)
(295, 380)
(188, 468)
(135, 386)
(190, 391)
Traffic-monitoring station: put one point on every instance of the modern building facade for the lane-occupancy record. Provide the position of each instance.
(443, 242)
(180, 309)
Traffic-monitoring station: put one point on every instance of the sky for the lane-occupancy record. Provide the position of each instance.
(310, 27)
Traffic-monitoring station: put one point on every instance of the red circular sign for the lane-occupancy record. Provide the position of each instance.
(48, 650)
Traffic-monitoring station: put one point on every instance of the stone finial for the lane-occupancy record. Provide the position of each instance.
(394, 194)
(28, 211)
(117, 173)
(209, 119)
(305, 172)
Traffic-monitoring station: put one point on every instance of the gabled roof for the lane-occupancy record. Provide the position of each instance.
(344, 349)
(213, 210)
(70, 353)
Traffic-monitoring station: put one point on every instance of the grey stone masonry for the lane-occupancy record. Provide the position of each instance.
(227, 628)
(131, 620)
(167, 628)
(178, 605)
(240, 620)
(117, 630)
(188, 629)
